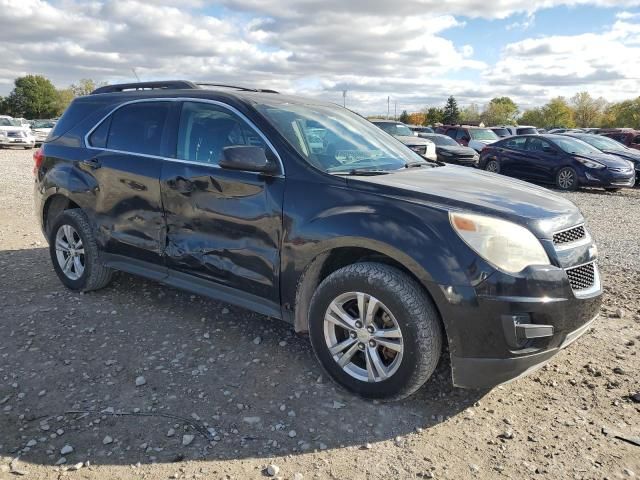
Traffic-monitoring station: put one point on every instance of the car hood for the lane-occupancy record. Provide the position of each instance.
(633, 155)
(612, 161)
(463, 189)
(456, 150)
(411, 140)
(41, 130)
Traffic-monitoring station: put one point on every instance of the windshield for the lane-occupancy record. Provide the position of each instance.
(501, 132)
(335, 139)
(527, 131)
(482, 134)
(574, 146)
(9, 122)
(43, 124)
(422, 129)
(442, 140)
(395, 129)
(602, 143)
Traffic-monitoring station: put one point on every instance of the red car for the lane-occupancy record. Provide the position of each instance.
(630, 138)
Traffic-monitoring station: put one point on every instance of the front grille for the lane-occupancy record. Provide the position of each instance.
(582, 277)
(620, 169)
(419, 149)
(571, 235)
(15, 134)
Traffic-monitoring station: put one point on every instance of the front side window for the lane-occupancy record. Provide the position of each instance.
(206, 129)
(516, 143)
(349, 141)
(137, 128)
(538, 145)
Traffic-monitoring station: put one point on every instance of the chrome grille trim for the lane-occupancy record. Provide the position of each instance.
(583, 278)
(569, 235)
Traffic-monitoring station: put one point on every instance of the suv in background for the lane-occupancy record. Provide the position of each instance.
(629, 138)
(424, 148)
(474, 137)
(380, 256)
(14, 134)
(421, 130)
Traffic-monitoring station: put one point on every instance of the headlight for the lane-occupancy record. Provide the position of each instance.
(590, 163)
(504, 244)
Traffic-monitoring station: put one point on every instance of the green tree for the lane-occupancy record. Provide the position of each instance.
(500, 111)
(534, 117)
(451, 113)
(65, 96)
(587, 111)
(34, 96)
(624, 114)
(558, 113)
(470, 114)
(404, 117)
(85, 86)
(433, 115)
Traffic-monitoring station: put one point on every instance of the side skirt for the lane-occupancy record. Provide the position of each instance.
(190, 283)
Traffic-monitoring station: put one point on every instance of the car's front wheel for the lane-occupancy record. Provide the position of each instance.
(375, 330)
(74, 252)
(567, 179)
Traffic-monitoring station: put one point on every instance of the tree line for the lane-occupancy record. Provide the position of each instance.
(34, 96)
(581, 110)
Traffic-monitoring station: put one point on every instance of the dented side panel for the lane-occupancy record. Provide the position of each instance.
(128, 210)
(224, 226)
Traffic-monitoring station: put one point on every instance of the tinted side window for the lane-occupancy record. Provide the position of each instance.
(636, 139)
(137, 128)
(538, 145)
(515, 143)
(461, 134)
(98, 138)
(205, 130)
(452, 132)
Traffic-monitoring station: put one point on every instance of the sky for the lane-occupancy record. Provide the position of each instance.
(415, 52)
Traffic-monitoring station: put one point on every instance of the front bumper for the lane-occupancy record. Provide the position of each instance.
(607, 179)
(17, 142)
(480, 322)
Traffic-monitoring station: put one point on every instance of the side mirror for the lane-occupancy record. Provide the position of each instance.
(248, 158)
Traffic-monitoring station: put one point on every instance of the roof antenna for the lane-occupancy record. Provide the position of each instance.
(136, 75)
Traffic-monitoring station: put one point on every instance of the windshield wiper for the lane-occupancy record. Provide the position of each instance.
(423, 163)
(361, 172)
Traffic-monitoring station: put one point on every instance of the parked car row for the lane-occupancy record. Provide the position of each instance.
(18, 132)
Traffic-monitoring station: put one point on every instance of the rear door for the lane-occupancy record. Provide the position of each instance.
(125, 158)
(512, 156)
(223, 226)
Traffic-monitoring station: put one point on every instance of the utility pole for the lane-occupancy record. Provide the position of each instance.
(388, 107)
(344, 98)
(395, 109)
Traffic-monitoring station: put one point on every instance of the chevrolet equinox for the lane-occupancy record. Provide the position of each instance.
(307, 212)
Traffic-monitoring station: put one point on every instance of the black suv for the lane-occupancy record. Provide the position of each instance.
(307, 212)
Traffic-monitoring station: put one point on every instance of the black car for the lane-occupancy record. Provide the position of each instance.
(382, 257)
(612, 147)
(450, 151)
(566, 162)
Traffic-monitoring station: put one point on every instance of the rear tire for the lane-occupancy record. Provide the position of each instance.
(492, 166)
(396, 347)
(567, 179)
(74, 253)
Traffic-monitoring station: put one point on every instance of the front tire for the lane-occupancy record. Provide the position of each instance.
(375, 330)
(567, 179)
(74, 253)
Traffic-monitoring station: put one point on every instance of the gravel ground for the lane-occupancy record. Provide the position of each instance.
(143, 381)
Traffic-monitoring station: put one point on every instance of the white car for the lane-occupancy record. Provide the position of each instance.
(13, 134)
(41, 129)
(423, 147)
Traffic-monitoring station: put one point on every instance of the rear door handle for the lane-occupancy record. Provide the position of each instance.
(92, 163)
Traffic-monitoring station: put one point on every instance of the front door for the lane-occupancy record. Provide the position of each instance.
(223, 226)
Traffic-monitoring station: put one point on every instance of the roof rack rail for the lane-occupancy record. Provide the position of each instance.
(244, 89)
(165, 84)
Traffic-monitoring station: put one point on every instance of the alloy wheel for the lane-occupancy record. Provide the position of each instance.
(566, 179)
(70, 252)
(363, 337)
(492, 166)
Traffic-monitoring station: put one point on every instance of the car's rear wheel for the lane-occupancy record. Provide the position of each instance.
(492, 166)
(567, 179)
(74, 253)
(375, 330)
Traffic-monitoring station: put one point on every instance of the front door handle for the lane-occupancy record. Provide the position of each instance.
(92, 163)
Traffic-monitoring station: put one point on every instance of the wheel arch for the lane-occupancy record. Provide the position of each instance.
(53, 206)
(336, 257)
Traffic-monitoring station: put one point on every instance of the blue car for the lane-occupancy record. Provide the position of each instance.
(566, 162)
